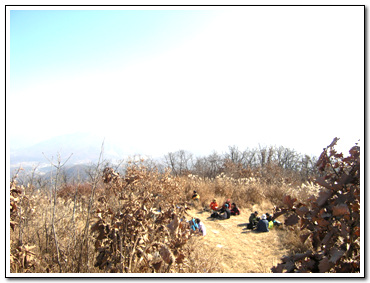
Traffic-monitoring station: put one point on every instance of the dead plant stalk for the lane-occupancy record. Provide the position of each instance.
(94, 182)
(58, 167)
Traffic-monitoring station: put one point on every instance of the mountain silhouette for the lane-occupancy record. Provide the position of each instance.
(84, 147)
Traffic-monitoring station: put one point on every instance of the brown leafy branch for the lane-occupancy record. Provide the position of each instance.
(330, 221)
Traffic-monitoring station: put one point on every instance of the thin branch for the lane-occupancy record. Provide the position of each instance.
(94, 185)
(58, 167)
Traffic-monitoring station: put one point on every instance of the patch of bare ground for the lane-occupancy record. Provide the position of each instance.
(239, 249)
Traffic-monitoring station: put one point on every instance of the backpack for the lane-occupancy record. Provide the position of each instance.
(271, 224)
(193, 225)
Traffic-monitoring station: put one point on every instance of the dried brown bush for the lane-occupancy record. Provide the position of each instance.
(145, 231)
(330, 222)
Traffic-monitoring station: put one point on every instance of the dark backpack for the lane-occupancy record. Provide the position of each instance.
(249, 226)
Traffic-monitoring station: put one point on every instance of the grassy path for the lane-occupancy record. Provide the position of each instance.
(241, 250)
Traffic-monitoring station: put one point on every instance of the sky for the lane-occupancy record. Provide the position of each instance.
(161, 79)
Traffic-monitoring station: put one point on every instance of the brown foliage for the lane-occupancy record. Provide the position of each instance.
(330, 221)
(22, 258)
(146, 231)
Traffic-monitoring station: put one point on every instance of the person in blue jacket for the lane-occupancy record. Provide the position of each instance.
(263, 224)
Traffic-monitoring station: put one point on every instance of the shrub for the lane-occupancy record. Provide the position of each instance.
(330, 221)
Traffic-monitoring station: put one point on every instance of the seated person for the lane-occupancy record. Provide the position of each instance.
(202, 227)
(214, 207)
(224, 212)
(253, 220)
(263, 224)
(228, 203)
(193, 225)
(270, 218)
(195, 196)
(234, 209)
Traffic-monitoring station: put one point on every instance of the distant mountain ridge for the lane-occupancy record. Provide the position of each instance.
(84, 147)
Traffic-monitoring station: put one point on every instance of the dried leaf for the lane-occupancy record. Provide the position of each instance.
(327, 237)
(321, 181)
(309, 264)
(174, 225)
(323, 197)
(341, 209)
(166, 255)
(280, 212)
(13, 224)
(278, 269)
(157, 265)
(180, 258)
(289, 266)
(292, 220)
(13, 207)
(97, 244)
(289, 201)
(96, 226)
(322, 222)
(334, 142)
(302, 211)
(344, 231)
(325, 265)
(336, 254)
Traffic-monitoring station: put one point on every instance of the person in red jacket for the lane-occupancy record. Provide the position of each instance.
(214, 207)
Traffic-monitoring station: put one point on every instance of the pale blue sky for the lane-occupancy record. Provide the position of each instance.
(200, 80)
(50, 44)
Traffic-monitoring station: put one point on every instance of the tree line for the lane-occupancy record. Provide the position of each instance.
(235, 160)
(266, 162)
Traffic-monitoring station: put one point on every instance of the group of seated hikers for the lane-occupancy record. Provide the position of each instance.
(262, 224)
(225, 211)
(256, 223)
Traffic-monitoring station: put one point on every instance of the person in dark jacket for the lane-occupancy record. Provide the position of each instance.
(228, 202)
(234, 209)
(268, 217)
(253, 220)
(224, 213)
(263, 224)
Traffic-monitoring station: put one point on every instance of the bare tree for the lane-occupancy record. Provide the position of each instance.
(180, 162)
(58, 167)
(262, 156)
(209, 166)
(95, 177)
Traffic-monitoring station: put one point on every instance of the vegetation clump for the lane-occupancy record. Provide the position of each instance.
(330, 221)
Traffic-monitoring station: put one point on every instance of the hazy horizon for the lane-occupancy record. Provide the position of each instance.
(110, 145)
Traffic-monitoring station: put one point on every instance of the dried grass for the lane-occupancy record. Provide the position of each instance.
(143, 187)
